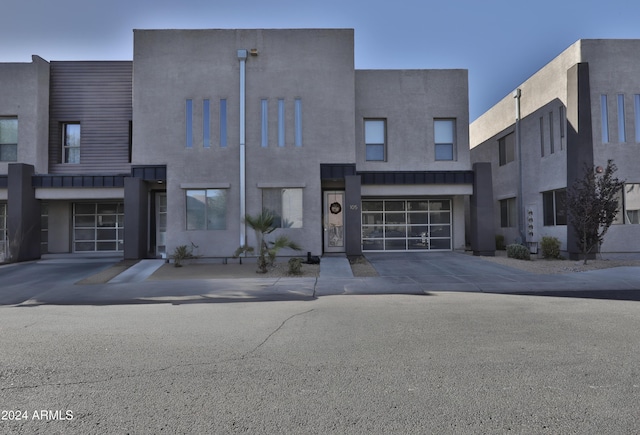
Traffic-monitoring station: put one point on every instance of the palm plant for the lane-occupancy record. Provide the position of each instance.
(263, 223)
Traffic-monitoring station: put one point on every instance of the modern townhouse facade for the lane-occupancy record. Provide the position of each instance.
(205, 126)
(581, 109)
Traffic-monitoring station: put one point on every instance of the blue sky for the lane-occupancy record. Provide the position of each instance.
(500, 42)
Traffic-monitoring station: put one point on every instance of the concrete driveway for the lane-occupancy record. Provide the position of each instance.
(442, 267)
(19, 282)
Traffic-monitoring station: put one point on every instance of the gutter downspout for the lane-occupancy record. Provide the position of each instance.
(520, 203)
(242, 57)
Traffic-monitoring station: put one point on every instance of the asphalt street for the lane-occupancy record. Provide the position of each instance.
(439, 363)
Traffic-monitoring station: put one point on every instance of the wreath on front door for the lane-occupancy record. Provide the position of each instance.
(335, 208)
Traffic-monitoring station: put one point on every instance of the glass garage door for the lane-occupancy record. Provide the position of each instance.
(98, 227)
(406, 224)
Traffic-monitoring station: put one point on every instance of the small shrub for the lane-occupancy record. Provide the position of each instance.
(550, 247)
(500, 242)
(518, 252)
(182, 252)
(295, 266)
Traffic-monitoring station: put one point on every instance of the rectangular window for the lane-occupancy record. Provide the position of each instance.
(551, 142)
(508, 217)
(636, 104)
(130, 141)
(280, 122)
(506, 149)
(189, 124)
(541, 136)
(264, 122)
(298, 122)
(554, 204)
(71, 142)
(223, 123)
(622, 137)
(563, 120)
(375, 139)
(207, 209)
(206, 124)
(604, 114)
(285, 204)
(9, 139)
(444, 135)
(629, 204)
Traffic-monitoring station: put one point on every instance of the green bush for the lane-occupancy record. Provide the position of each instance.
(550, 247)
(500, 242)
(518, 252)
(295, 266)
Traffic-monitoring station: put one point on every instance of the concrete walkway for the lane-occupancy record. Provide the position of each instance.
(409, 274)
(333, 266)
(138, 272)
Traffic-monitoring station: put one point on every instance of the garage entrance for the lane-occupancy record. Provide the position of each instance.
(394, 224)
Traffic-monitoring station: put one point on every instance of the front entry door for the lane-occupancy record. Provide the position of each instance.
(161, 224)
(334, 221)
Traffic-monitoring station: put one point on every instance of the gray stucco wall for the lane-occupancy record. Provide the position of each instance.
(613, 68)
(24, 92)
(410, 101)
(171, 66)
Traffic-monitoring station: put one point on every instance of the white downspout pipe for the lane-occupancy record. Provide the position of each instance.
(520, 200)
(242, 57)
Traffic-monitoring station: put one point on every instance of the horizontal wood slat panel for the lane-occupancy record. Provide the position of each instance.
(98, 95)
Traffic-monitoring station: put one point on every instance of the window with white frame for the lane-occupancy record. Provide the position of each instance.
(71, 142)
(629, 204)
(554, 205)
(206, 209)
(9, 139)
(508, 216)
(285, 204)
(444, 131)
(375, 135)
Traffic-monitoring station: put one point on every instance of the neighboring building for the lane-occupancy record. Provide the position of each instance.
(205, 126)
(583, 108)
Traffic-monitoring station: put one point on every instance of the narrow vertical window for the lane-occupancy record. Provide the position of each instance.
(223, 123)
(264, 122)
(189, 124)
(375, 139)
(636, 104)
(604, 113)
(551, 143)
(542, 136)
(206, 124)
(563, 121)
(298, 122)
(71, 142)
(8, 140)
(280, 122)
(444, 138)
(507, 149)
(622, 137)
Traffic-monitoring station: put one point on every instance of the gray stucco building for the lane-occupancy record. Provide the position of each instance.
(583, 108)
(205, 126)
